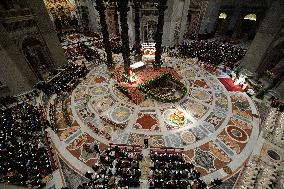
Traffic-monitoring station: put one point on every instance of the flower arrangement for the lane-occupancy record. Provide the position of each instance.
(177, 117)
(123, 90)
(167, 99)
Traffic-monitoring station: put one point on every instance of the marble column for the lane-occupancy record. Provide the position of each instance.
(233, 20)
(184, 20)
(131, 26)
(168, 26)
(122, 7)
(93, 24)
(209, 20)
(267, 32)
(137, 20)
(101, 9)
(175, 19)
(159, 32)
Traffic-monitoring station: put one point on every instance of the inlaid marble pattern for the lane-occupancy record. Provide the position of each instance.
(217, 131)
(71, 177)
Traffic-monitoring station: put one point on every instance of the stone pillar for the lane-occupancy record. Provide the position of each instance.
(101, 9)
(266, 34)
(209, 20)
(184, 20)
(175, 18)
(168, 26)
(48, 32)
(159, 32)
(15, 80)
(122, 7)
(112, 19)
(233, 20)
(93, 24)
(131, 26)
(137, 20)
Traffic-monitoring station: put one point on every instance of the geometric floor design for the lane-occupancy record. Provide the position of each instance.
(218, 135)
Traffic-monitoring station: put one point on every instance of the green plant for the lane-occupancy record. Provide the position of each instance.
(145, 88)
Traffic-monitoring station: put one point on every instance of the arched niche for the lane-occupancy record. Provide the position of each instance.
(37, 57)
(222, 15)
(149, 27)
(247, 27)
(222, 23)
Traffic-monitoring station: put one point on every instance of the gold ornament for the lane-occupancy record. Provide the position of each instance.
(59, 7)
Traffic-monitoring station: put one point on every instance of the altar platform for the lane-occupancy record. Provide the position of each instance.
(229, 84)
(142, 76)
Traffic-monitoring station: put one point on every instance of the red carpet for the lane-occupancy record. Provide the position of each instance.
(229, 84)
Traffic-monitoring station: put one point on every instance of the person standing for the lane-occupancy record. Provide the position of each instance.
(146, 141)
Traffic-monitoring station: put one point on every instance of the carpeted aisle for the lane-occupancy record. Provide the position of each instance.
(229, 84)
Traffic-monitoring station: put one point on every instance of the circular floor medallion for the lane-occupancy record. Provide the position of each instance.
(207, 111)
(98, 90)
(273, 155)
(121, 114)
(167, 117)
(189, 73)
(200, 94)
(237, 134)
(188, 137)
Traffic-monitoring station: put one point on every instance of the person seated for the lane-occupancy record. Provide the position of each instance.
(88, 175)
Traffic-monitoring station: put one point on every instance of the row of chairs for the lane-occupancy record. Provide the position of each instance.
(274, 127)
(258, 175)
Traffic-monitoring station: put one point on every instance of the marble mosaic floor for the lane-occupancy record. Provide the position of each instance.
(218, 136)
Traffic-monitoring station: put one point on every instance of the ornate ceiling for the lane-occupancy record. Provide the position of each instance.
(59, 7)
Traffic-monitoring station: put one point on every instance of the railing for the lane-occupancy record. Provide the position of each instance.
(165, 150)
(130, 148)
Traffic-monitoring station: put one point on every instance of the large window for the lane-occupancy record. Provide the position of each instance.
(250, 17)
(222, 15)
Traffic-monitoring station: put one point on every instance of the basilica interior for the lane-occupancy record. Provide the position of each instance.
(158, 94)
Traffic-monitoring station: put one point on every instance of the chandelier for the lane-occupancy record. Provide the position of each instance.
(59, 7)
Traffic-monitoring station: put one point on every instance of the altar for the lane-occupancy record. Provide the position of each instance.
(148, 50)
(137, 66)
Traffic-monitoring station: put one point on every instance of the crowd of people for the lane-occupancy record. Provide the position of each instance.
(65, 81)
(276, 103)
(212, 52)
(24, 159)
(80, 49)
(171, 171)
(118, 168)
(77, 46)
